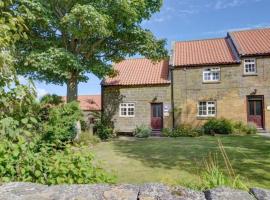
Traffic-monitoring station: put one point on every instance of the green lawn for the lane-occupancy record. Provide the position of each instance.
(174, 160)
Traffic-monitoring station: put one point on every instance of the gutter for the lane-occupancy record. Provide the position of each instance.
(102, 98)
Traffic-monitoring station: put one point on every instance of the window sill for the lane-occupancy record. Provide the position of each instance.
(211, 82)
(244, 75)
(205, 117)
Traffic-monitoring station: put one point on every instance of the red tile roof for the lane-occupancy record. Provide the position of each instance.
(252, 42)
(140, 71)
(89, 102)
(203, 52)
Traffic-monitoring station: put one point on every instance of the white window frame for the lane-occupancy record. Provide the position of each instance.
(210, 71)
(208, 105)
(247, 62)
(126, 106)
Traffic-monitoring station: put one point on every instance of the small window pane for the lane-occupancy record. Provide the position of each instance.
(250, 66)
(211, 74)
(251, 108)
(207, 108)
(258, 108)
(127, 109)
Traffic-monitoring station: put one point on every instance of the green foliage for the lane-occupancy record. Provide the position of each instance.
(225, 126)
(218, 126)
(12, 29)
(142, 131)
(214, 177)
(239, 128)
(86, 138)
(68, 39)
(18, 111)
(62, 122)
(32, 162)
(103, 130)
(51, 99)
(84, 125)
(185, 130)
(30, 156)
(251, 129)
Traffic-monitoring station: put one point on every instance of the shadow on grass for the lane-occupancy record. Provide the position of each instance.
(250, 155)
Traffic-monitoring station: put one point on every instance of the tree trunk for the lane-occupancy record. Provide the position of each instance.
(72, 89)
(72, 95)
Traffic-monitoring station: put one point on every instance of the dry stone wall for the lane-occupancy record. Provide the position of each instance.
(30, 191)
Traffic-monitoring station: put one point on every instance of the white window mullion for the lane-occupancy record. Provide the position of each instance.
(250, 66)
(207, 109)
(211, 74)
(127, 110)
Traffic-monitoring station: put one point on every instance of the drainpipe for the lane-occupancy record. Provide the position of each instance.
(102, 99)
(172, 96)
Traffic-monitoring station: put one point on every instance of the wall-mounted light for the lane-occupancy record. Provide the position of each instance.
(254, 92)
(154, 99)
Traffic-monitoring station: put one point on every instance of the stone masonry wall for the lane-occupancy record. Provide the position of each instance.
(30, 191)
(142, 97)
(230, 93)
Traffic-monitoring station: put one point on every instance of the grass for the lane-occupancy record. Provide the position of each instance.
(180, 160)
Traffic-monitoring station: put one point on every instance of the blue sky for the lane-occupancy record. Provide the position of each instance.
(188, 20)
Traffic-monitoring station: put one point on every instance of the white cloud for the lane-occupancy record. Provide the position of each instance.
(250, 26)
(183, 8)
(223, 4)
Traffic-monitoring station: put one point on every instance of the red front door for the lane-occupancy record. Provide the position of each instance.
(255, 111)
(157, 116)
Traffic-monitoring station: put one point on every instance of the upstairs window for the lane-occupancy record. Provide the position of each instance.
(250, 66)
(211, 74)
(207, 109)
(127, 110)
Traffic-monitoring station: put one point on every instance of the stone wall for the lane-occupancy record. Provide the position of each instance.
(230, 93)
(29, 191)
(142, 96)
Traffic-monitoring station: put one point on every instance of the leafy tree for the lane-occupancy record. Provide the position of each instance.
(69, 38)
(17, 102)
(12, 29)
(52, 99)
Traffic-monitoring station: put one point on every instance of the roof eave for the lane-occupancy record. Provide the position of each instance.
(207, 64)
(130, 85)
(255, 54)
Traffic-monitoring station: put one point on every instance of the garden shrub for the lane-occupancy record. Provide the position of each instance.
(239, 128)
(185, 130)
(166, 132)
(84, 125)
(61, 122)
(28, 139)
(103, 130)
(251, 129)
(226, 127)
(142, 131)
(39, 163)
(218, 126)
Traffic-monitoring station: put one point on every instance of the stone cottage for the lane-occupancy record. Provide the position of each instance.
(222, 77)
(139, 94)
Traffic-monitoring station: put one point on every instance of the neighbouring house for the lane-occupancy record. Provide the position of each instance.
(91, 107)
(139, 94)
(222, 77)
